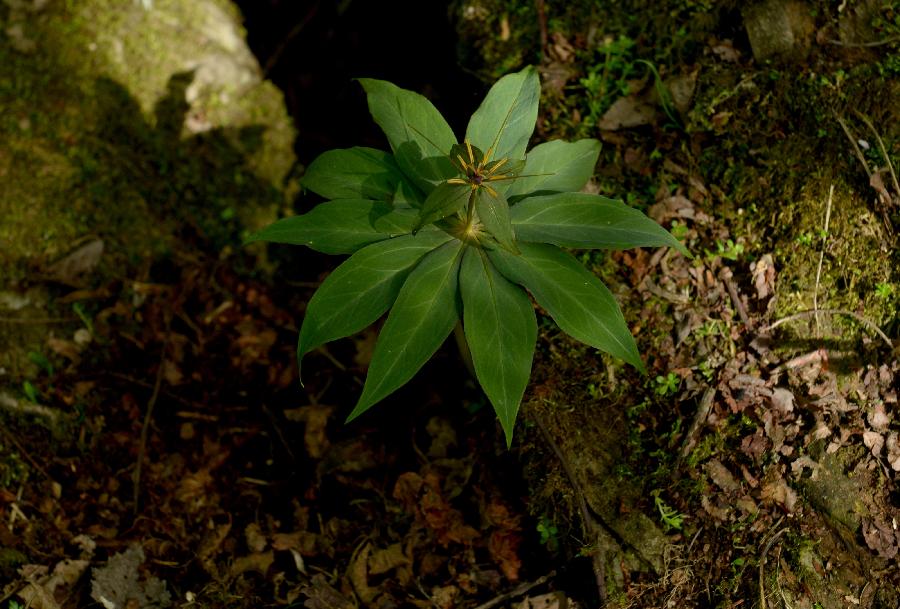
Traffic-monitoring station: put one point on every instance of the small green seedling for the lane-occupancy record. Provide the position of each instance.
(439, 231)
(669, 516)
(667, 385)
(549, 533)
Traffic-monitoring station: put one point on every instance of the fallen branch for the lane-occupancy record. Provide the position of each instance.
(148, 416)
(822, 258)
(762, 562)
(856, 316)
(725, 275)
(517, 591)
(591, 528)
(690, 439)
(24, 407)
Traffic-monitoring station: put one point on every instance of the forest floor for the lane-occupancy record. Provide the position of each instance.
(174, 459)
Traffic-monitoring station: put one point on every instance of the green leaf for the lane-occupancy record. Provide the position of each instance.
(578, 302)
(494, 215)
(423, 315)
(354, 173)
(340, 227)
(361, 289)
(505, 119)
(580, 220)
(408, 195)
(501, 330)
(445, 200)
(419, 136)
(557, 166)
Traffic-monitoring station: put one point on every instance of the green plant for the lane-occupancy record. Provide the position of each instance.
(729, 250)
(667, 385)
(439, 231)
(669, 516)
(884, 290)
(549, 533)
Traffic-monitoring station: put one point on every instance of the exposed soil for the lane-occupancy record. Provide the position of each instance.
(178, 460)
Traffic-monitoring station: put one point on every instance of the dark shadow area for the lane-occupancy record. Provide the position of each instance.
(314, 49)
(200, 180)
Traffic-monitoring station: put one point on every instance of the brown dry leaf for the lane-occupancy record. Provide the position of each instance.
(443, 437)
(444, 596)
(172, 373)
(783, 400)
(681, 88)
(503, 546)
(881, 537)
(45, 591)
(256, 541)
(893, 455)
(210, 545)
(555, 76)
(321, 595)
(70, 269)
(725, 51)
(258, 562)
(628, 112)
(423, 497)
(315, 436)
(779, 492)
(719, 474)
(675, 207)
(504, 543)
(763, 271)
(357, 572)
(387, 559)
(301, 541)
(874, 441)
(192, 489)
(551, 600)
(878, 418)
(718, 512)
(365, 347)
(65, 348)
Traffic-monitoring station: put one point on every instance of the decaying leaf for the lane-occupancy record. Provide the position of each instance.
(71, 269)
(45, 590)
(881, 537)
(322, 595)
(387, 559)
(120, 585)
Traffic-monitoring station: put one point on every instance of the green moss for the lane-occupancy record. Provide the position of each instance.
(116, 126)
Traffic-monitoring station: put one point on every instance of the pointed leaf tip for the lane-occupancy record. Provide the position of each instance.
(420, 320)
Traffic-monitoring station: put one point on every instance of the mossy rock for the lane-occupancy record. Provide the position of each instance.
(140, 124)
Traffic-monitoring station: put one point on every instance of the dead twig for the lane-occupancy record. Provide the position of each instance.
(762, 562)
(874, 43)
(542, 27)
(12, 440)
(866, 322)
(821, 259)
(856, 150)
(884, 153)
(690, 439)
(656, 290)
(23, 407)
(725, 275)
(591, 527)
(36, 320)
(814, 357)
(519, 590)
(148, 415)
(275, 57)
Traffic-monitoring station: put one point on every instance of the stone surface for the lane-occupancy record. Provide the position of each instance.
(779, 29)
(122, 123)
